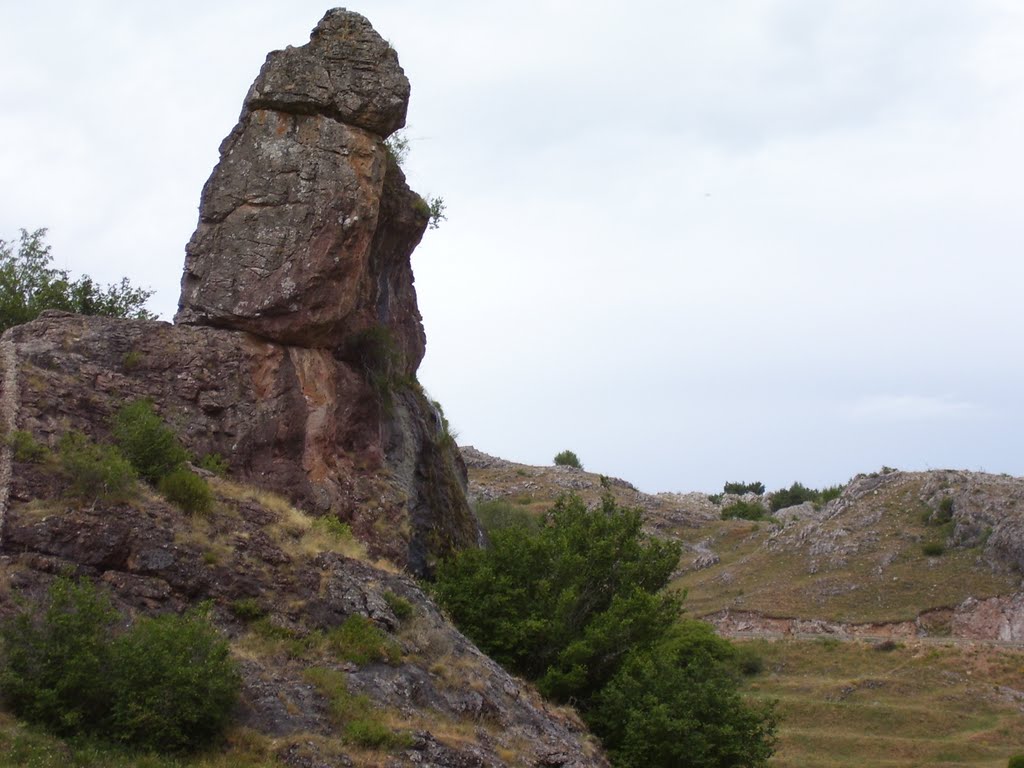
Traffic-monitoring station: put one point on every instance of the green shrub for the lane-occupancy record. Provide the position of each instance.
(557, 604)
(247, 609)
(370, 733)
(187, 490)
(567, 459)
(399, 606)
(1017, 761)
(25, 447)
(744, 510)
(748, 661)
(167, 683)
(150, 446)
(933, 549)
(334, 528)
(94, 472)
(825, 495)
(498, 514)
(361, 641)
(797, 493)
(214, 462)
(55, 664)
(174, 683)
(944, 514)
(677, 704)
(739, 489)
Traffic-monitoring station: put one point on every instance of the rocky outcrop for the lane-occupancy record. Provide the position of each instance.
(293, 358)
(298, 333)
(306, 224)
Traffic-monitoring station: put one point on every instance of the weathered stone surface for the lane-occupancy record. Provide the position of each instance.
(291, 420)
(346, 72)
(306, 225)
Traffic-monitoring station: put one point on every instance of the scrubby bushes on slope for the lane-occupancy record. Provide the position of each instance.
(167, 683)
(578, 606)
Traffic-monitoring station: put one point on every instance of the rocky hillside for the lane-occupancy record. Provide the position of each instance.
(291, 368)
(910, 554)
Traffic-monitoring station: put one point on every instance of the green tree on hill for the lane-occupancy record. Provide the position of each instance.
(29, 284)
(578, 604)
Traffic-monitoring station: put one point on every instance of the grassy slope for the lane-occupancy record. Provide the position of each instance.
(848, 704)
(875, 572)
(845, 704)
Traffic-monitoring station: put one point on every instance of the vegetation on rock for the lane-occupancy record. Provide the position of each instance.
(757, 488)
(29, 285)
(167, 683)
(567, 459)
(578, 605)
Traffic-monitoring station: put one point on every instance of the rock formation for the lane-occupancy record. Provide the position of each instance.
(298, 335)
(293, 358)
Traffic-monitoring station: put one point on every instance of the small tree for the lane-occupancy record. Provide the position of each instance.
(28, 285)
(567, 459)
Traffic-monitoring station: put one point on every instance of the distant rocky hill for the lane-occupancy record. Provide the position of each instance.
(855, 566)
(292, 363)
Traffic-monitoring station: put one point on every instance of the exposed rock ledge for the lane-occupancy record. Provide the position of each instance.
(996, 619)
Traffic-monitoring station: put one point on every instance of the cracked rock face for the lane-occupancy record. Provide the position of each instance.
(306, 225)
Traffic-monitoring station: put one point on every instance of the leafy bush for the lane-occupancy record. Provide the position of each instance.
(499, 514)
(558, 604)
(676, 704)
(1016, 761)
(361, 641)
(739, 489)
(933, 549)
(334, 528)
(94, 472)
(187, 490)
(144, 439)
(399, 606)
(247, 609)
(945, 511)
(25, 447)
(372, 734)
(174, 683)
(167, 683)
(214, 462)
(567, 459)
(28, 285)
(744, 510)
(798, 493)
(55, 664)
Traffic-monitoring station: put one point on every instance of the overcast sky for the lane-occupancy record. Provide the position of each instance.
(693, 242)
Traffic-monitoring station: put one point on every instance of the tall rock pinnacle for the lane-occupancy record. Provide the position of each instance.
(306, 224)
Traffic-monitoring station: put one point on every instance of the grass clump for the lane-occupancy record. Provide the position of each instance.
(499, 514)
(165, 684)
(94, 472)
(215, 463)
(247, 609)
(744, 510)
(360, 725)
(370, 733)
(187, 490)
(933, 549)
(399, 606)
(144, 439)
(361, 641)
(26, 448)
